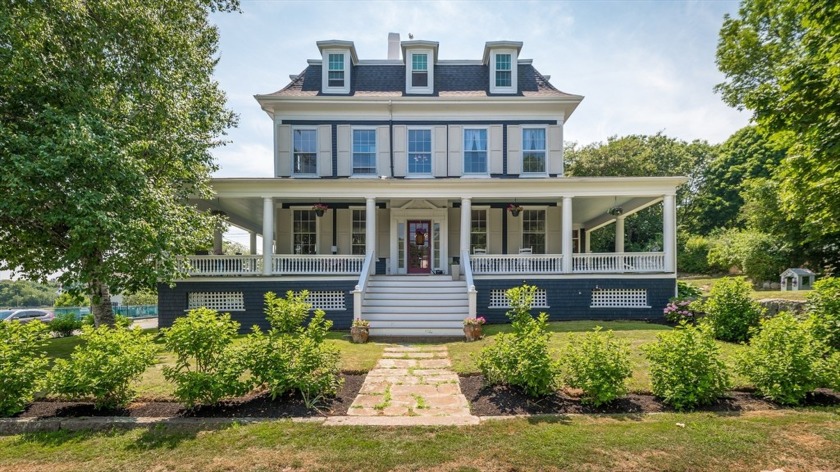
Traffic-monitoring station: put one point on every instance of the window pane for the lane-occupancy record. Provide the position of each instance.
(475, 151)
(364, 151)
(503, 79)
(304, 235)
(419, 79)
(335, 70)
(419, 151)
(336, 62)
(478, 230)
(533, 150)
(358, 234)
(502, 61)
(533, 230)
(503, 70)
(305, 151)
(419, 62)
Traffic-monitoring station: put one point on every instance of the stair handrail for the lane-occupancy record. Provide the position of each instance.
(472, 293)
(359, 291)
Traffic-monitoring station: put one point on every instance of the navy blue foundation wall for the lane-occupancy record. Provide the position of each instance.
(570, 299)
(172, 301)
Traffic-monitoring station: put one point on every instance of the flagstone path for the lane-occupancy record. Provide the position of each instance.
(411, 385)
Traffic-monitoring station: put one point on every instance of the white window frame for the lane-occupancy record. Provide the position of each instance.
(292, 230)
(353, 211)
(408, 172)
(292, 151)
(430, 74)
(486, 172)
(486, 211)
(375, 173)
(325, 71)
(544, 173)
(513, 72)
(521, 219)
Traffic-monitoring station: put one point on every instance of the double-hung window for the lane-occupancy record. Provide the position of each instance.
(533, 151)
(533, 230)
(475, 151)
(357, 244)
(335, 77)
(364, 152)
(419, 70)
(504, 70)
(419, 152)
(305, 152)
(478, 230)
(304, 232)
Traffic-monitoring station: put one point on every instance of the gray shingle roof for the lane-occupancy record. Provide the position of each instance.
(450, 80)
(799, 271)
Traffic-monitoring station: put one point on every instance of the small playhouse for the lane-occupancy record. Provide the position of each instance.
(797, 279)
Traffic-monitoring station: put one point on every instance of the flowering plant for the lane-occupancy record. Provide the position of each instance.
(360, 323)
(478, 321)
(320, 206)
(514, 207)
(681, 309)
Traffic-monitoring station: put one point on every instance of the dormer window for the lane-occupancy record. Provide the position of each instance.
(503, 78)
(420, 57)
(335, 77)
(419, 70)
(501, 57)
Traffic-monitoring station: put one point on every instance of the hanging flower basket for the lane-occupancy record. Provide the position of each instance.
(514, 209)
(419, 237)
(319, 209)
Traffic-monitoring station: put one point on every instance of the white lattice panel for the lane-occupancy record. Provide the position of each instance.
(499, 300)
(619, 298)
(327, 300)
(219, 301)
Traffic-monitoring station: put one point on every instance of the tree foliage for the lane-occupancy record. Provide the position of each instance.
(21, 293)
(108, 113)
(780, 60)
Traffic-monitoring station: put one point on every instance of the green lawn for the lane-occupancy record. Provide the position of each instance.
(152, 384)
(788, 439)
(636, 333)
(705, 283)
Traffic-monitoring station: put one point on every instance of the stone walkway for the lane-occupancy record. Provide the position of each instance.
(411, 385)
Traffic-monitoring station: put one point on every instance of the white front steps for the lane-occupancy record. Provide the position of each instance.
(415, 305)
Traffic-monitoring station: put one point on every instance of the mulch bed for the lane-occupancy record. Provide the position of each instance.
(497, 400)
(257, 404)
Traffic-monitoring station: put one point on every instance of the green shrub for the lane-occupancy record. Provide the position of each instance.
(685, 367)
(64, 324)
(121, 321)
(208, 366)
(686, 290)
(291, 357)
(521, 358)
(730, 309)
(103, 366)
(693, 256)
(598, 364)
(23, 364)
(824, 306)
(784, 360)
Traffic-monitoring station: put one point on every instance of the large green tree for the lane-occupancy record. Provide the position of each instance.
(22, 293)
(780, 58)
(108, 114)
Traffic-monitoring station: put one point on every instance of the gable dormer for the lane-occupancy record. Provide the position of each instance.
(337, 61)
(502, 58)
(420, 58)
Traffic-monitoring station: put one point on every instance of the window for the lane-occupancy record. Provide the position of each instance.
(533, 230)
(420, 151)
(503, 70)
(335, 77)
(478, 230)
(304, 232)
(357, 244)
(533, 150)
(364, 151)
(305, 152)
(419, 70)
(475, 151)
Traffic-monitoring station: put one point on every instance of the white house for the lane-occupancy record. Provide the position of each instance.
(423, 164)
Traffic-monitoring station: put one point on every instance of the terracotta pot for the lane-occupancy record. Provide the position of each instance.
(472, 332)
(359, 334)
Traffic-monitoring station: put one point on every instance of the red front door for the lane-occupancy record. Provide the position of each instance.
(419, 247)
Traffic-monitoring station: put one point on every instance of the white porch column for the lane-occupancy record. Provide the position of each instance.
(268, 234)
(567, 234)
(217, 241)
(253, 245)
(466, 221)
(370, 225)
(619, 234)
(586, 247)
(669, 232)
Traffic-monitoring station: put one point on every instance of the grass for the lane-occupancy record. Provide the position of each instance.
(636, 333)
(705, 283)
(789, 440)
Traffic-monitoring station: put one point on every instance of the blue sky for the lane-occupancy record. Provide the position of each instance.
(643, 66)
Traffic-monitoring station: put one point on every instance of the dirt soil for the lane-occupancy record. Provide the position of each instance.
(257, 404)
(496, 400)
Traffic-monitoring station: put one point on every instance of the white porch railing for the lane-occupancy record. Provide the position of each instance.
(359, 291)
(316, 265)
(224, 265)
(472, 293)
(516, 263)
(619, 263)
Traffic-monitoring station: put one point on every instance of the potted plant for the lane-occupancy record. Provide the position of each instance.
(319, 209)
(514, 209)
(360, 330)
(472, 328)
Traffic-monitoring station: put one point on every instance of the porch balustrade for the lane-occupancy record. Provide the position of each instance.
(224, 265)
(618, 263)
(281, 265)
(516, 263)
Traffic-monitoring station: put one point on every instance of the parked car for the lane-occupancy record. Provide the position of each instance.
(26, 315)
